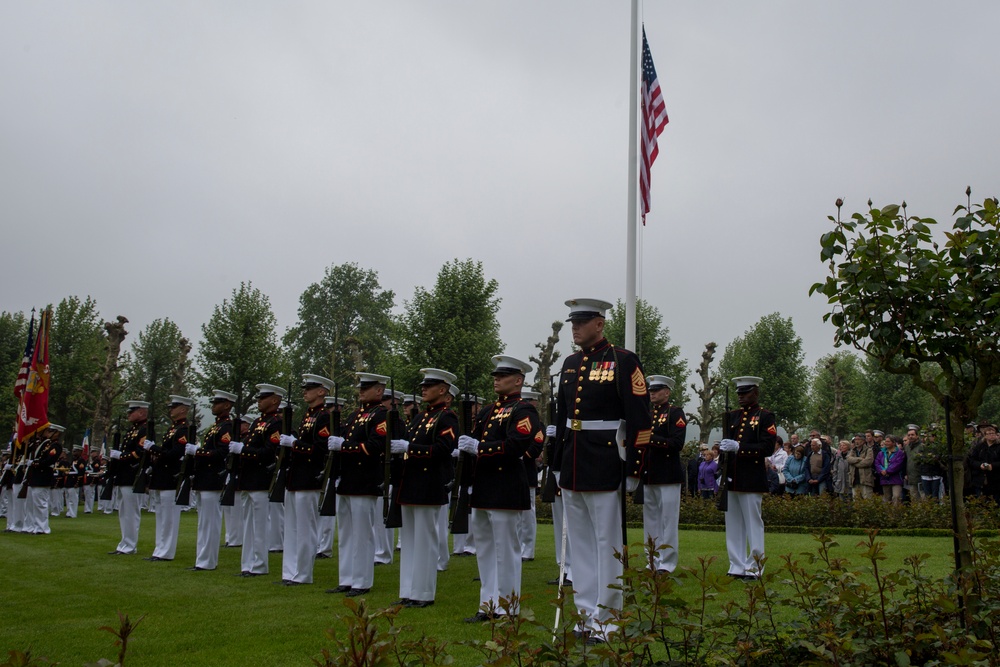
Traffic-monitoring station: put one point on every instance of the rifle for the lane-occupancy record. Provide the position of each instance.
(183, 494)
(141, 484)
(328, 494)
(22, 470)
(232, 471)
(108, 490)
(722, 497)
(276, 493)
(392, 514)
(458, 505)
(548, 479)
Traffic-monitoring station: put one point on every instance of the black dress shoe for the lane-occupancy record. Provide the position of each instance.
(594, 641)
(289, 582)
(118, 553)
(196, 569)
(338, 589)
(555, 582)
(156, 559)
(401, 602)
(355, 592)
(251, 574)
(480, 617)
(321, 555)
(419, 604)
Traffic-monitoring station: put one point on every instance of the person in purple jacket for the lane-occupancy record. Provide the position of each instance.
(890, 464)
(708, 469)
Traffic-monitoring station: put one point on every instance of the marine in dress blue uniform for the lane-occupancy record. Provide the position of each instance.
(166, 458)
(603, 414)
(209, 479)
(39, 479)
(752, 435)
(121, 471)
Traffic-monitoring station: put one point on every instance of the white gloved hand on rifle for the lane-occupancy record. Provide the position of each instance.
(550, 431)
(334, 443)
(115, 454)
(468, 444)
(146, 444)
(399, 446)
(190, 449)
(631, 484)
(286, 441)
(728, 445)
(235, 447)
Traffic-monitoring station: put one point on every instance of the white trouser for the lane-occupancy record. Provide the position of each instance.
(594, 525)
(148, 502)
(168, 522)
(5, 496)
(116, 499)
(418, 556)
(72, 501)
(527, 528)
(129, 515)
(36, 515)
(327, 528)
(464, 543)
(301, 536)
(356, 540)
(557, 526)
(744, 532)
(441, 524)
(276, 527)
(57, 501)
(661, 512)
(209, 529)
(383, 535)
(498, 554)
(89, 492)
(18, 510)
(255, 508)
(234, 523)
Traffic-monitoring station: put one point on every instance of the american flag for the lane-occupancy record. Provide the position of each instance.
(654, 119)
(22, 374)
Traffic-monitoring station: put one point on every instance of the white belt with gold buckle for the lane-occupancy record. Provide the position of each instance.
(592, 425)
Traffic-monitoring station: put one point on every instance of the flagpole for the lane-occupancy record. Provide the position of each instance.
(633, 180)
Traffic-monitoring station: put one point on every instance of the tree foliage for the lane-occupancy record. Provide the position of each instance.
(772, 351)
(652, 342)
(344, 325)
(889, 401)
(77, 349)
(898, 295)
(13, 336)
(151, 367)
(239, 346)
(453, 326)
(836, 397)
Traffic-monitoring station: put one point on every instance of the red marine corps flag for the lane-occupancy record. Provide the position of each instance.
(33, 410)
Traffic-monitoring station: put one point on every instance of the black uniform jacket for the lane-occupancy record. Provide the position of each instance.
(210, 459)
(659, 462)
(257, 459)
(167, 456)
(362, 457)
(506, 431)
(601, 383)
(79, 466)
(123, 470)
(307, 457)
(755, 430)
(427, 464)
(40, 472)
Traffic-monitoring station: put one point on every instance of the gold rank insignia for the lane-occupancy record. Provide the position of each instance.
(638, 383)
(771, 430)
(226, 439)
(524, 426)
(448, 432)
(324, 432)
(275, 437)
(182, 440)
(642, 438)
(539, 437)
(680, 422)
(380, 429)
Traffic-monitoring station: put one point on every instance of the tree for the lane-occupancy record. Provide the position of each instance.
(452, 327)
(344, 325)
(837, 394)
(889, 401)
(901, 298)
(544, 361)
(76, 352)
(773, 351)
(108, 381)
(708, 415)
(239, 346)
(154, 364)
(13, 336)
(652, 342)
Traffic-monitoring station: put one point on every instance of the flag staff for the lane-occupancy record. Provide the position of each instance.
(633, 180)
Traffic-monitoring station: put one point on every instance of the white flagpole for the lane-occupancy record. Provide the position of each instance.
(633, 181)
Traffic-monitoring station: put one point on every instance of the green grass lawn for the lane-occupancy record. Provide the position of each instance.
(59, 589)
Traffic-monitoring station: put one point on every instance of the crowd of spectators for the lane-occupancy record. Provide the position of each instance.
(898, 468)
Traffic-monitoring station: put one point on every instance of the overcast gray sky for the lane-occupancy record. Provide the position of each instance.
(205, 143)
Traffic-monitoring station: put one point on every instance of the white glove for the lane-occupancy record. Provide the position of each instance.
(28, 462)
(468, 444)
(235, 447)
(455, 453)
(728, 445)
(631, 484)
(334, 443)
(550, 431)
(190, 449)
(286, 441)
(115, 454)
(6, 466)
(399, 446)
(146, 444)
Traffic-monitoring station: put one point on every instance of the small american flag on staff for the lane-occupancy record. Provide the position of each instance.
(654, 119)
(22, 374)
